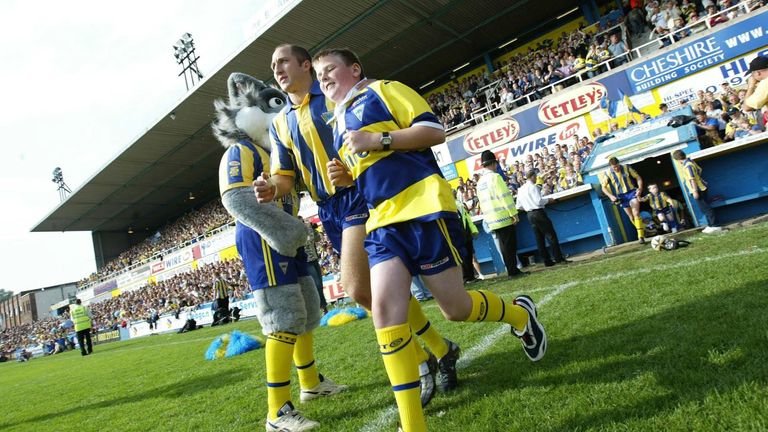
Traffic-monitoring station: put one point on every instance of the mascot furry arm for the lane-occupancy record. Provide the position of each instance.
(246, 118)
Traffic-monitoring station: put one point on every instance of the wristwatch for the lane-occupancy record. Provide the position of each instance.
(386, 141)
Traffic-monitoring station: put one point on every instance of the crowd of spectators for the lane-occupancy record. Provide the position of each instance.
(184, 290)
(719, 117)
(464, 102)
(188, 227)
(529, 74)
(557, 168)
(51, 333)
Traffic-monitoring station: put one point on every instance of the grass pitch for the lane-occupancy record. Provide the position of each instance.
(638, 341)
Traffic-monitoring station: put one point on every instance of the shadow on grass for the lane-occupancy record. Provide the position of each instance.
(714, 344)
(170, 391)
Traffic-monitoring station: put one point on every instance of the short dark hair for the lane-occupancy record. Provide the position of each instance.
(613, 161)
(678, 155)
(78, 301)
(345, 54)
(300, 54)
(662, 106)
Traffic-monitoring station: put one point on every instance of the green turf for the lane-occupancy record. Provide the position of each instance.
(638, 341)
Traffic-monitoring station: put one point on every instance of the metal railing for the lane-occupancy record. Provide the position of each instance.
(490, 111)
(157, 255)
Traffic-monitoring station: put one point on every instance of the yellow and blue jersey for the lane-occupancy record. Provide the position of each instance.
(240, 166)
(692, 171)
(622, 182)
(398, 186)
(263, 265)
(302, 143)
(660, 201)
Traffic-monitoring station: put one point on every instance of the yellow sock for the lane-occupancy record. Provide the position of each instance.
(421, 355)
(487, 306)
(640, 228)
(424, 330)
(279, 351)
(304, 359)
(396, 345)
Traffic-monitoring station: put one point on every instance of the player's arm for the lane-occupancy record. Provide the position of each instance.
(409, 139)
(639, 179)
(606, 190)
(280, 230)
(338, 173)
(283, 166)
(269, 188)
(419, 128)
(690, 178)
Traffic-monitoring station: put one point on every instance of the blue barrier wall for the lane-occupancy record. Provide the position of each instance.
(737, 179)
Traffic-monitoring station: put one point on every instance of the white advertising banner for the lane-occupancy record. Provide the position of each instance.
(711, 79)
(168, 323)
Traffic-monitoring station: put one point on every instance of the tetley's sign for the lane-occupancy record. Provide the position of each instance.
(571, 104)
(491, 134)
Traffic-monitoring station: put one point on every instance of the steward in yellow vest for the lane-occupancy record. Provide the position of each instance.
(499, 210)
(81, 319)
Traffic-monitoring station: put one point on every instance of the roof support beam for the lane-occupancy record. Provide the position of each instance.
(447, 43)
(206, 128)
(437, 14)
(434, 20)
(323, 43)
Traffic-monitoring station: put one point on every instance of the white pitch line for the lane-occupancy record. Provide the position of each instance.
(387, 417)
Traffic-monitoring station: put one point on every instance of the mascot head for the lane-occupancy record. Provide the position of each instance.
(248, 113)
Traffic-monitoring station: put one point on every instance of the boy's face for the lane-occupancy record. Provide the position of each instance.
(336, 78)
(654, 189)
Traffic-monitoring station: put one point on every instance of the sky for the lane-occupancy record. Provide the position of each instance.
(79, 82)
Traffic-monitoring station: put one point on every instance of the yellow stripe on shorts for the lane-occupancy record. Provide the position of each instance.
(454, 251)
(268, 263)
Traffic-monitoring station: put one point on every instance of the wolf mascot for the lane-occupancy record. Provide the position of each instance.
(270, 241)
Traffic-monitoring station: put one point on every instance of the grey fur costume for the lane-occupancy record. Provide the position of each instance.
(292, 308)
(248, 115)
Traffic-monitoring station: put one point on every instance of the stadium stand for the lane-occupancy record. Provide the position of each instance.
(519, 80)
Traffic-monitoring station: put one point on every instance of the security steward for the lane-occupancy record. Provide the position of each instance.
(529, 199)
(499, 211)
(81, 318)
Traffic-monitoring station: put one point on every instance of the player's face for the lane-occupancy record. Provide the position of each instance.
(336, 78)
(616, 168)
(287, 70)
(653, 189)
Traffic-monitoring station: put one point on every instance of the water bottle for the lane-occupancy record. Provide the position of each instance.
(613, 239)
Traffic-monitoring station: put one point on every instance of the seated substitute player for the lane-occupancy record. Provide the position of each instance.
(624, 187)
(302, 145)
(287, 302)
(382, 132)
(663, 207)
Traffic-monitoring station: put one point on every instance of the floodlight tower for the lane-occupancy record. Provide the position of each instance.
(58, 178)
(184, 51)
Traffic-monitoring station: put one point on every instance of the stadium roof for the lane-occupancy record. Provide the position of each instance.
(412, 41)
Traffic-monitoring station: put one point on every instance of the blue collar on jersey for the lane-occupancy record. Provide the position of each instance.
(314, 90)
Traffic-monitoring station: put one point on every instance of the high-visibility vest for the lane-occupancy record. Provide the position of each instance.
(496, 201)
(80, 317)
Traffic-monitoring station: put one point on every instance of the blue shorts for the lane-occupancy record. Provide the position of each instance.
(263, 265)
(344, 209)
(426, 248)
(668, 210)
(625, 198)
